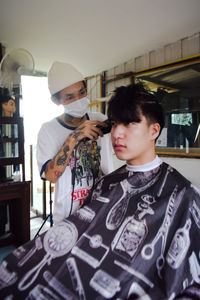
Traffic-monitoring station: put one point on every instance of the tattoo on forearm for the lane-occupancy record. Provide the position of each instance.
(62, 159)
(80, 128)
(77, 134)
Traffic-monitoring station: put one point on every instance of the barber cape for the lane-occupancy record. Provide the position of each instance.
(136, 237)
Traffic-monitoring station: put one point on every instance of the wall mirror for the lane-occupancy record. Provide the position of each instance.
(178, 88)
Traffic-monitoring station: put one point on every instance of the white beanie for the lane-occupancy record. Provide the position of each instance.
(62, 75)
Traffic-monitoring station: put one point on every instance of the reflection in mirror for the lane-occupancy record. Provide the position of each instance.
(178, 90)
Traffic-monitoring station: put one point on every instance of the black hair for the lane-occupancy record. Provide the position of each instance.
(129, 102)
(5, 96)
(57, 95)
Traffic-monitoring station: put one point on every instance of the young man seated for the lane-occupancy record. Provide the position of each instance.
(136, 237)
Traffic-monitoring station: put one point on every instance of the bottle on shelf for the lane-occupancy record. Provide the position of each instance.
(17, 174)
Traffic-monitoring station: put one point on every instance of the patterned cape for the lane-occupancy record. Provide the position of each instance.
(136, 237)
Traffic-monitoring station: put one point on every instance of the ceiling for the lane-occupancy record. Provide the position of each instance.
(94, 35)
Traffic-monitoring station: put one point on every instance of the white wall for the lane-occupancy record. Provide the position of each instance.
(188, 167)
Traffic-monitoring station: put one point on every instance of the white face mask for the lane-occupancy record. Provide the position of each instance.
(77, 108)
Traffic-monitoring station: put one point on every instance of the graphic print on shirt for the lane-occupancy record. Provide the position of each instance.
(85, 167)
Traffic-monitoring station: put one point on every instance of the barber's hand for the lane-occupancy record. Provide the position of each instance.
(89, 130)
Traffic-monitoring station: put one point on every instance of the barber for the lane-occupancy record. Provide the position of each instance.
(65, 153)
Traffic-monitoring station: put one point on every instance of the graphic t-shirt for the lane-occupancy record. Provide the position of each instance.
(91, 160)
(85, 165)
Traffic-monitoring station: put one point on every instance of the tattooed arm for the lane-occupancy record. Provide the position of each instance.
(57, 165)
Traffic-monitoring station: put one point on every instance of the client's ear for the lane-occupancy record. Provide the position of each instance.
(155, 130)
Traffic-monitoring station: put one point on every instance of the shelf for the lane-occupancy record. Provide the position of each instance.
(17, 196)
(11, 161)
(12, 146)
(9, 140)
(14, 196)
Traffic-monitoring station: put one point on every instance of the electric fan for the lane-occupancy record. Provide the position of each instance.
(15, 63)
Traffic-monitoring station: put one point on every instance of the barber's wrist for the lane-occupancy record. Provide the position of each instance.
(72, 140)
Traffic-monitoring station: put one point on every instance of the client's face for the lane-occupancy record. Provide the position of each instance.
(134, 142)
